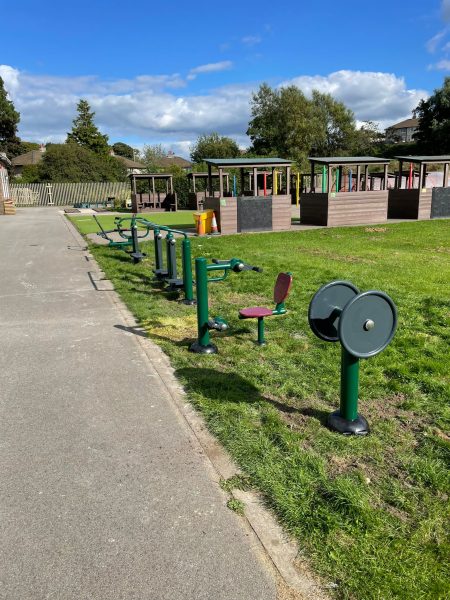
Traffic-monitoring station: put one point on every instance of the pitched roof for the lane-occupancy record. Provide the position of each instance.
(33, 157)
(128, 163)
(171, 159)
(405, 123)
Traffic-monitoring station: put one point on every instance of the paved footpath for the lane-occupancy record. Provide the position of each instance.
(105, 493)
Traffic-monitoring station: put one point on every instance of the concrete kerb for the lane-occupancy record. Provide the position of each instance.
(281, 554)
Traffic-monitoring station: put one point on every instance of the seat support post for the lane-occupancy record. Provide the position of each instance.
(261, 340)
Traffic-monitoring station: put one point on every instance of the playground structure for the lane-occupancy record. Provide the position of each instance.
(153, 199)
(280, 293)
(257, 207)
(203, 344)
(415, 200)
(364, 324)
(196, 197)
(345, 198)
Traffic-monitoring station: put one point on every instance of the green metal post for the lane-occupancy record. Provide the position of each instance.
(349, 386)
(261, 340)
(187, 271)
(170, 273)
(157, 243)
(202, 345)
(324, 180)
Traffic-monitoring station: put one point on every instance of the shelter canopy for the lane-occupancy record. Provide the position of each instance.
(337, 161)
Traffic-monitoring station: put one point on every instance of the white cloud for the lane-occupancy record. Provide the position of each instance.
(224, 65)
(251, 40)
(434, 42)
(155, 109)
(373, 96)
(442, 65)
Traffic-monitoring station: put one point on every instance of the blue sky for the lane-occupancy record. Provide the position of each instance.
(166, 72)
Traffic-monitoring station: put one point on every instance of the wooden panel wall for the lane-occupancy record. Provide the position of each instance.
(314, 209)
(358, 208)
(226, 215)
(425, 204)
(281, 212)
(403, 204)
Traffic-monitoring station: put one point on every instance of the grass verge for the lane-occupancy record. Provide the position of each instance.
(371, 513)
(181, 218)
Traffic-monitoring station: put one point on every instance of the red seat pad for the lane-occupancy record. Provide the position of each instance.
(255, 312)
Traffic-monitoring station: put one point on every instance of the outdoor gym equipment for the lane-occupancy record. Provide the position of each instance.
(364, 324)
(170, 274)
(280, 293)
(104, 233)
(204, 323)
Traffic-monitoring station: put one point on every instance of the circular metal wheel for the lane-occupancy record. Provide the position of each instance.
(326, 307)
(368, 324)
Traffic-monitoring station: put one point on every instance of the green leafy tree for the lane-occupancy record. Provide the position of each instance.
(150, 156)
(369, 141)
(125, 150)
(9, 121)
(213, 145)
(84, 131)
(433, 133)
(335, 126)
(28, 146)
(73, 163)
(288, 124)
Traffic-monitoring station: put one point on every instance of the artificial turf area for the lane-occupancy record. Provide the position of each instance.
(371, 513)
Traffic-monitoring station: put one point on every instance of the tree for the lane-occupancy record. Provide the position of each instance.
(84, 131)
(213, 145)
(288, 124)
(335, 123)
(125, 150)
(9, 121)
(433, 133)
(370, 141)
(150, 156)
(73, 163)
(28, 146)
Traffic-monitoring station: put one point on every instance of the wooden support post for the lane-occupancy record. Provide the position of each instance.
(193, 183)
(358, 178)
(445, 176)
(171, 184)
(210, 190)
(366, 177)
(288, 180)
(385, 180)
(400, 170)
(242, 181)
(227, 179)
(255, 181)
(422, 176)
(313, 166)
(339, 179)
(220, 183)
(329, 176)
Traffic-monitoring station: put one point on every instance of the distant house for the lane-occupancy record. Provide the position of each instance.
(131, 166)
(33, 157)
(402, 132)
(170, 160)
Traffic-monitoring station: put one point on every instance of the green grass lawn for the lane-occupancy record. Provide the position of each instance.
(371, 514)
(181, 218)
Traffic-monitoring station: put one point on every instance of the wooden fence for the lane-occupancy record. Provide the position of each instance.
(67, 194)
